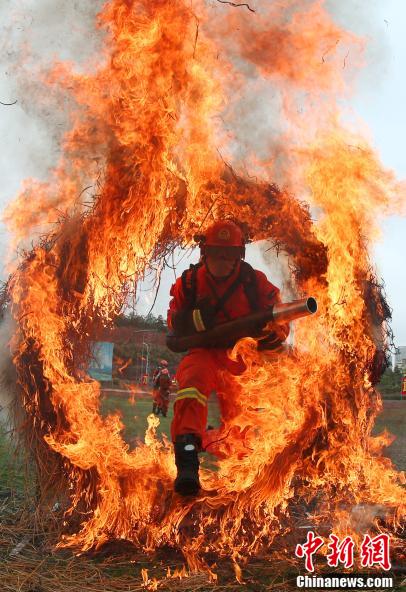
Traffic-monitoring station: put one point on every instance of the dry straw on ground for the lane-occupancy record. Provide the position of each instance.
(29, 563)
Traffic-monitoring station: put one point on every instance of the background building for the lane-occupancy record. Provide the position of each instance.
(400, 358)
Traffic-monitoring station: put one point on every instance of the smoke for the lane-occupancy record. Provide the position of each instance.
(363, 64)
(367, 20)
(34, 34)
(335, 50)
(37, 32)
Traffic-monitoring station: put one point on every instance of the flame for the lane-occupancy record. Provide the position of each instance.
(147, 134)
(123, 364)
(147, 582)
(133, 392)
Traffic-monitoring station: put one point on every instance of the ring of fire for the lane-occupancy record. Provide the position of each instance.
(144, 124)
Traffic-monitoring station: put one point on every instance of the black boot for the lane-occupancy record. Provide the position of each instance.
(154, 408)
(187, 463)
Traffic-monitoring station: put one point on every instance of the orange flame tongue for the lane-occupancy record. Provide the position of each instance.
(150, 115)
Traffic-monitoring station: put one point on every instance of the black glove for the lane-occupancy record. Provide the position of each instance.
(275, 339)
(200, 318)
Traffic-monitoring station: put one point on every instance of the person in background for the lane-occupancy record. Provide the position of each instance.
(164, 390)
(163, 364)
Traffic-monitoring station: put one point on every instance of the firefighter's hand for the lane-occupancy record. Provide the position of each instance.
(275, 337)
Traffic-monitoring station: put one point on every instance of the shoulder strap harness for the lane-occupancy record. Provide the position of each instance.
(246, 277)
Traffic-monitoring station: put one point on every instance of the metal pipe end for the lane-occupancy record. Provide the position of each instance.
(311, 304)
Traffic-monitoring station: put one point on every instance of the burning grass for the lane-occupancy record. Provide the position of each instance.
(29, 563)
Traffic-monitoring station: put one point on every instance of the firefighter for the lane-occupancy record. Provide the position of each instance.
(221, 287)
(164, 388)
(163, 365)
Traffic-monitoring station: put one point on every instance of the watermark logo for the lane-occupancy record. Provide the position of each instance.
(340, 552)
(308, 549)
(375, 551)
(372, 551)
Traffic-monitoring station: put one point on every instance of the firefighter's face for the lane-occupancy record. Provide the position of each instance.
(221, 261)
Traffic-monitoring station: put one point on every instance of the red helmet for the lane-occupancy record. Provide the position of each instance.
(224, 234)
(163, 363)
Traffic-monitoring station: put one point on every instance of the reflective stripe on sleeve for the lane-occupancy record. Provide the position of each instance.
(191, 393)
(198, 321)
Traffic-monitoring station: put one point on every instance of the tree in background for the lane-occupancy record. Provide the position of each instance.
(391, 381)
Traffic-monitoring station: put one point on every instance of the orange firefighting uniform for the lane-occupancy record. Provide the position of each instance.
(163, 392)
(155, 385)
(160, 390)
(204, 370)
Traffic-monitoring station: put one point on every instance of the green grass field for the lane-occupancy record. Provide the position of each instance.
(11, 465)
(134, 413)
(393, 419)
(134, 416)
